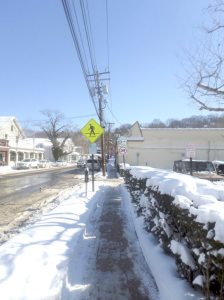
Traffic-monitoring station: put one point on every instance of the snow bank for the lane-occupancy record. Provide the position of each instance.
(33, 264)
(186, 215)
(203, 198)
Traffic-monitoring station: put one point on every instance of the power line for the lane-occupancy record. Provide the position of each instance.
(68, 14)
(97, 89)
(115, 118)
(80, 35)
(68, 118)
(107, 18)
(90, 44)
(91, 33)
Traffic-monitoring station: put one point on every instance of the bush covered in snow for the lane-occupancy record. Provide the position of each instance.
(186, 214)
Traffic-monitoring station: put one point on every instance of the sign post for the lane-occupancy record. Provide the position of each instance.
(190, 153)
(122, 147)
(86, 178)
(92, 131)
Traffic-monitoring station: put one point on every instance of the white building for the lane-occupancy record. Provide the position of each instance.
(69, 147)
(159, 147)
(13, 144)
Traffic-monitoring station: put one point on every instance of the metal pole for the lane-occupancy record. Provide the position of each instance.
(124, 161)
(191, 171)
(92, 173)
(86, 178)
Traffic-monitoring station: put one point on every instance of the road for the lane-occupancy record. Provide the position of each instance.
(24, 195)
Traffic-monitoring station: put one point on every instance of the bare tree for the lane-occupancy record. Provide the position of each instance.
(55, 128)
(205, 84)
(123, 129)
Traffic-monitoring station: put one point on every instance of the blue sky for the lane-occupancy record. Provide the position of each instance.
(148, 40)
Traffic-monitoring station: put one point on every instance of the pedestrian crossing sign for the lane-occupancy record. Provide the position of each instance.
(92, 130)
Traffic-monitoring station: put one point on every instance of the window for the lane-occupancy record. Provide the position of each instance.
(12, 156)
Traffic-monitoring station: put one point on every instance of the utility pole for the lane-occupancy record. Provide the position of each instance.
(102, 124)
(100, 98)
(99, 91)
(108, 139)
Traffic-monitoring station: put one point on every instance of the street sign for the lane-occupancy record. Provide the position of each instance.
(93, 148)
(190, 151)
(122, 141)
(122, 150)
(122, 145)
(92, 130)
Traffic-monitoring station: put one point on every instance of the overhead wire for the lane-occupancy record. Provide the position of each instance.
(115, 118)
(65, 118)
(89, 43)
(108, 53)
(91, 33)
(80, 35)
(68, 15)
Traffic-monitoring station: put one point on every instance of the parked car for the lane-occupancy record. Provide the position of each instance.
(28, 163)
(44, 163)
(219, 165)
(95, 163)
(60, 163)
(200, 168)
(81, 163)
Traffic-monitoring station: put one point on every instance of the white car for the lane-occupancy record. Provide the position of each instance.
(28, 163)
(95, 164)
(44, 163)
(81, 163)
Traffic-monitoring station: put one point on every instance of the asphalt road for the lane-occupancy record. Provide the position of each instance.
(16, 186)
(25, 194)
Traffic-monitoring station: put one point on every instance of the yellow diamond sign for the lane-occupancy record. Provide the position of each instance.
(92, 130)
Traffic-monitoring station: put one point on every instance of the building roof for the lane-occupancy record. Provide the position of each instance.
(6, 120)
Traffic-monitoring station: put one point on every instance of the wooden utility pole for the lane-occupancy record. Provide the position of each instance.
(108, 139)
(99, 91)
(100, 98)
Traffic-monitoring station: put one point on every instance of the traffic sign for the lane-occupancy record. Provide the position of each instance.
(122, 141)
(92, 130)
(190, 151)
(93, 148)
(122, 150)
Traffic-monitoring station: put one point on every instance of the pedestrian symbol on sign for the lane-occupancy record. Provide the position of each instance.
(91, 130)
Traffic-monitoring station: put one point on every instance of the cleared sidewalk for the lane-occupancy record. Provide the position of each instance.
(112, 265)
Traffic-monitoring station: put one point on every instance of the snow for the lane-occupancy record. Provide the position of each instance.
(198, 280)
(183, 251)
(203, 198)
(33, 264)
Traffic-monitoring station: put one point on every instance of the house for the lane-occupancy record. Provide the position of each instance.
(13, 144)
(159, 147)
(69, 147)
